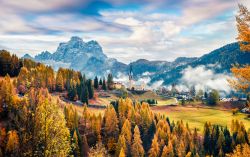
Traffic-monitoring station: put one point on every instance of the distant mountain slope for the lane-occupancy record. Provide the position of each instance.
(88, 57)
(151, 68)
(219, 60)
(224, 57)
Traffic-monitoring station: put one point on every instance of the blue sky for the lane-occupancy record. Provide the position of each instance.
(126, 29)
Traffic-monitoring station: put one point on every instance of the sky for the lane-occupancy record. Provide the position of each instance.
(126, 29)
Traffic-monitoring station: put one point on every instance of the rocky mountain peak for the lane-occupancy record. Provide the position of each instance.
(44, 55)
(27, 56)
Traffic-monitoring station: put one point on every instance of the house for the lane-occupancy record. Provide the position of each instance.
(117, 85)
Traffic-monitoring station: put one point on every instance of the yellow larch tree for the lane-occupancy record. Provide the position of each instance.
(121, 145)
(122, 154)
(137, 148)
(51, 132)
(13, 141)
(243, 25)
(154, 150)
(242, 74)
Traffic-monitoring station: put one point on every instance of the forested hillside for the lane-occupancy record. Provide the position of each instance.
(34, 123)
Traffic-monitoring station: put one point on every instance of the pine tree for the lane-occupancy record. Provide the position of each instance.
(110, 81)
(72, 93)
(220, 144)
(85, 95)
(207, 139)
(96, 83)
(137, 148)
(100, 82)
(90, 89)
(104, 86)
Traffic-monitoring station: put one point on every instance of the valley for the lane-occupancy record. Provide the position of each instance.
(124, 78)
(195, 114)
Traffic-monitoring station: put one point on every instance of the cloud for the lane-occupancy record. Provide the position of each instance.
(127, 30)
(205, 79)
(123, 78)
(156, 84)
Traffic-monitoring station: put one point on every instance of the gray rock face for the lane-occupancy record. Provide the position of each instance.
(88, 57)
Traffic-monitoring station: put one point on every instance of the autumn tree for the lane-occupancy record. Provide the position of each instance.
(6, 94)
(49, 141)
(154, 150)
(243, 25)
(242, 78)
(137, 148)
(126, 132)
(122, 153)
(241, 72)
(241, 150)
(59, 82)
(9, 64)
(98, 151)
(12, 143)
(3, 136)
(111, 129)
(168, 150)
(121, 145)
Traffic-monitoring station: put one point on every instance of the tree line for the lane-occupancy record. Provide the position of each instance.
(126, 129)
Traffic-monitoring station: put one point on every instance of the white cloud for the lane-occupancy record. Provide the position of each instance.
(124, 34)
(156, 84)
(203, 78)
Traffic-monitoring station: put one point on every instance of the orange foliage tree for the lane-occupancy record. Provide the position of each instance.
(243, 25)
(242, 74)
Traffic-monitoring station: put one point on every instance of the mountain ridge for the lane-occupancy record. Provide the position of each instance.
(89, 58)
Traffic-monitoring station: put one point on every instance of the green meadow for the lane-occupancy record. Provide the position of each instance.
(196, 117)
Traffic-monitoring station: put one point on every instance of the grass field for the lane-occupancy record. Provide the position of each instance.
(166, 102)
(196, 117)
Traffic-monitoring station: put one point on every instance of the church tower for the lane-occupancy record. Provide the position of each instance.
(130, 77)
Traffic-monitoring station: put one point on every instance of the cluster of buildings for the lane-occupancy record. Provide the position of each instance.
(174, 92)
(131, 84)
